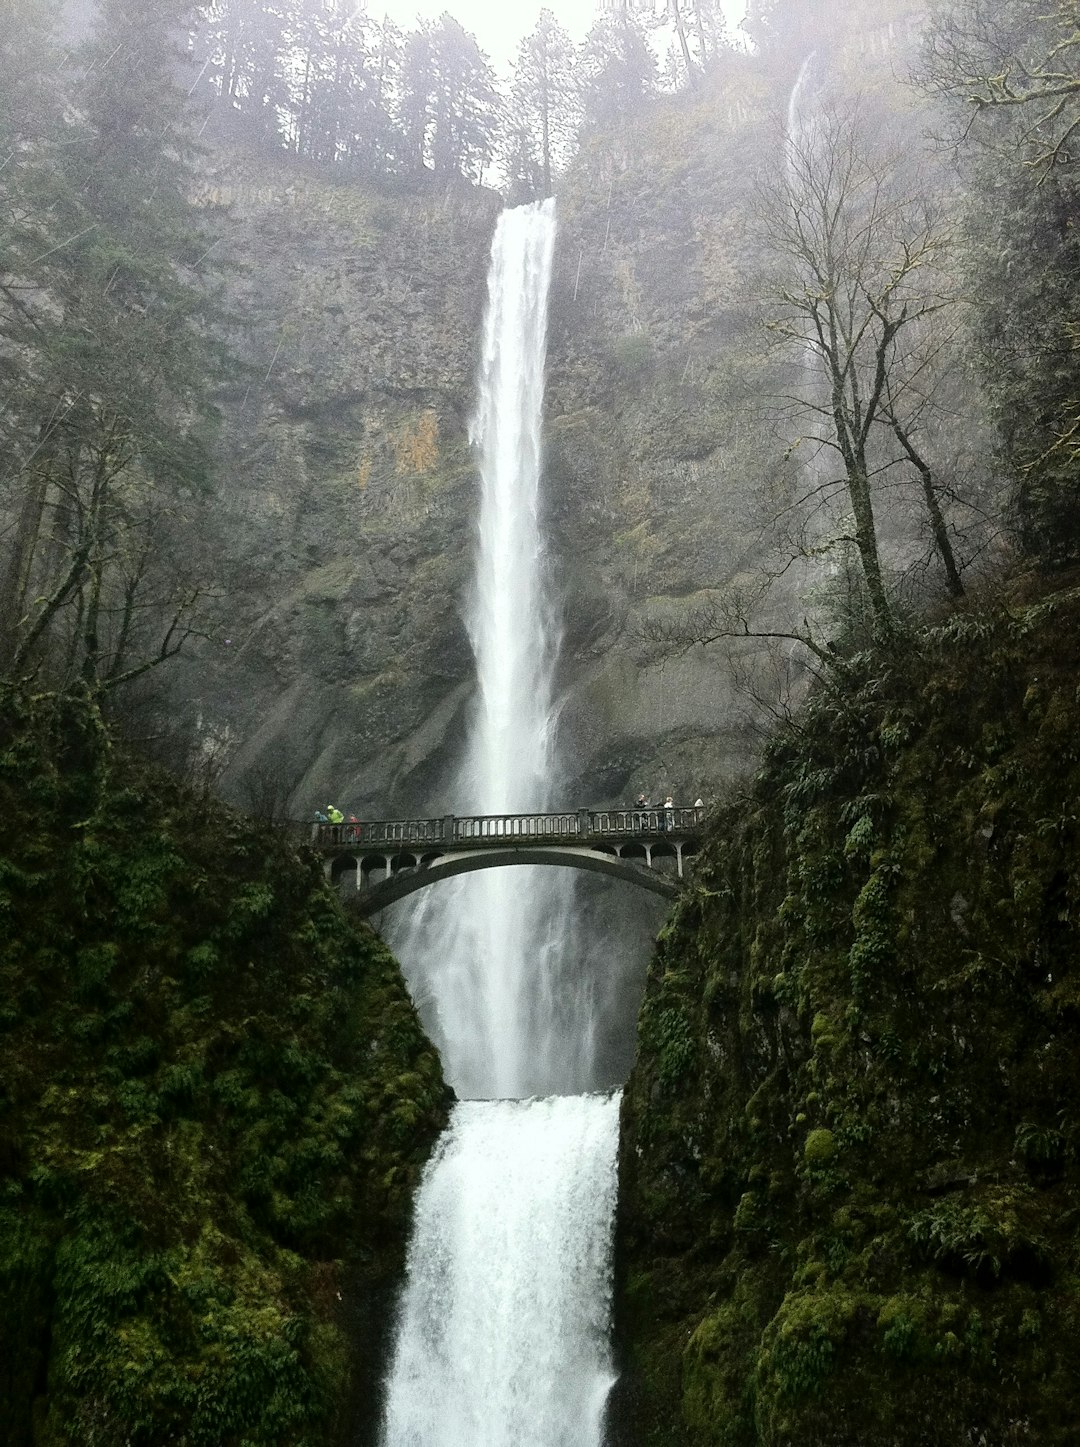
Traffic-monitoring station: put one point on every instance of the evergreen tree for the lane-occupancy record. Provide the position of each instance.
(465, 103)
(448, 106)
(618, 73)
(378, 143)
(708, 27)
(31, 132)
(544, 108)
(112, 335)
(414, 103)
(237, 50)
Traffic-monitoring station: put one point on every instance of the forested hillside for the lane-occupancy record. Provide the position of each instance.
(849, 1184)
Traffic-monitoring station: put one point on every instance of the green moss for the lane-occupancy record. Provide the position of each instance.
(820, 1147)
(215, 1099)
(859, 1207)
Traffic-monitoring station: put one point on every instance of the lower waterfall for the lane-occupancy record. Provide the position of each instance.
(503, 1337)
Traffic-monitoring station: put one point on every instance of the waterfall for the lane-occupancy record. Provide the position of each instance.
(800, 128)
(503, 1326)
(805, 89)
(504, 1334)
(491, 957)
(819, 567)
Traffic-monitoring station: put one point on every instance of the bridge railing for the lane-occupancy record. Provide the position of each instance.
(582, 824)
(401, 833)
(644, 821)
(516, 826)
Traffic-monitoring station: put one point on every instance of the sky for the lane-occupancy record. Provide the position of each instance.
(499, 24)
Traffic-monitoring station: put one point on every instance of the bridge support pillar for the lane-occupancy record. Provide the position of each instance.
(678, 860)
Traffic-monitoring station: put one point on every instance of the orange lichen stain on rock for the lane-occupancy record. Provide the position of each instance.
(416, 444)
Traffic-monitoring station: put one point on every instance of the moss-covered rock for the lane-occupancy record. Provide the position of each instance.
(851, 1180)
(215, 1098)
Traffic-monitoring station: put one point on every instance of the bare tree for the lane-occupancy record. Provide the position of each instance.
(1018, 57)
(858, 270)
(860, 298)
(105, 593)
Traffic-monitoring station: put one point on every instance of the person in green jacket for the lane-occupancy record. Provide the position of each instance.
(334, 814)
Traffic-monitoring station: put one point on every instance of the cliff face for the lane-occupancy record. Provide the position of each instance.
(342, 522)
(850, 1169)
(343, 525)
(215, 1100)
(675, 463)
(657, 488)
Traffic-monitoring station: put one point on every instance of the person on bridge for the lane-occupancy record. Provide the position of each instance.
(334, 814)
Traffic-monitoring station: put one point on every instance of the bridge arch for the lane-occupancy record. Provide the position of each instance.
(400, 883)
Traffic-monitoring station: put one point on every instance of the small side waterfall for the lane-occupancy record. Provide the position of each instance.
(503, 1331)
(803, 123)
(800, 102)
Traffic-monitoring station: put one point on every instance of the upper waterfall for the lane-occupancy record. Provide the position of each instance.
(491, 958)
(514, 635)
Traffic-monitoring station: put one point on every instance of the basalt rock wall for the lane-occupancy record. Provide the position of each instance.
(342, 526)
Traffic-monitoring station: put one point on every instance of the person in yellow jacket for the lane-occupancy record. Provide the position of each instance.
(334, 814)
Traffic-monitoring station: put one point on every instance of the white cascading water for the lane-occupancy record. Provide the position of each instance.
(503, 1329)
(504, 1334)
(490, 957)
(803, 135)
(801, 131)
(799, 109)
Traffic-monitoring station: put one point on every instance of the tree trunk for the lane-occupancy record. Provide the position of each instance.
(92, 622)
(858, 486)
(14, 583)
(545, 137)
(305, 101)
(938, 527)
(701, 32)
(680, 30)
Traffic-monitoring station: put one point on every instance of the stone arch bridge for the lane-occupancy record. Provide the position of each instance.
(394, 858)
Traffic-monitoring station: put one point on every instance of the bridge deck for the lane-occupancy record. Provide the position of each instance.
(595, 827)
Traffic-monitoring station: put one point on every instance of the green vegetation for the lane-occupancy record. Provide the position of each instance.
(850, 1178)
(215, 1098)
